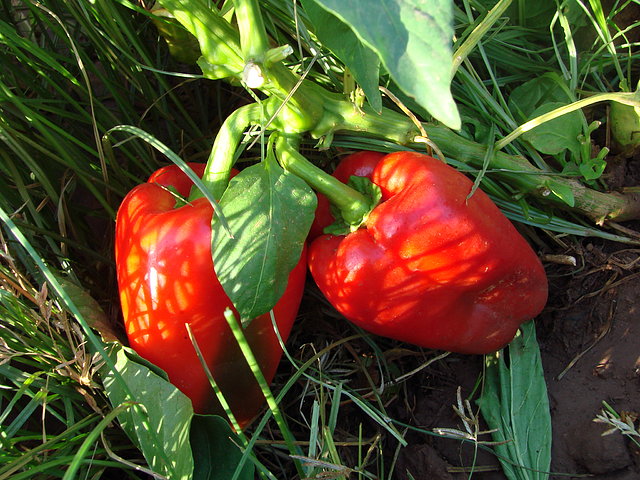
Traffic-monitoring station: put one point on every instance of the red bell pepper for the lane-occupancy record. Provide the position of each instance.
(166, 280)
(431, 266)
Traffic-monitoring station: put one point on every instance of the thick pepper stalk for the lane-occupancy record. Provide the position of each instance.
(166, 280)
(432, 266)
(299, 106)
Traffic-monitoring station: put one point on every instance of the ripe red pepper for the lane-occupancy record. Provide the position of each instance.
(431, 266)
(166, 280)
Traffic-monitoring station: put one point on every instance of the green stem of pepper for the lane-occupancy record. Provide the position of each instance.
(387, 124)
(222, 156)
(353, 205)
(253, 35)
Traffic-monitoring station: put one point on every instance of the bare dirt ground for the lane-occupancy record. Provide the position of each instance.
(589, 336)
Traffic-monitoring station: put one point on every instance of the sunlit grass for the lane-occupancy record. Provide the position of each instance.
(72, 70)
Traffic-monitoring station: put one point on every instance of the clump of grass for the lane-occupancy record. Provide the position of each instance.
(72, 70)
(50, 399)
(623, 423)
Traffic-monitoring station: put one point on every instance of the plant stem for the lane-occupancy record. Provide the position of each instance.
(353, 205)
(519, 173)
(253, 35)
(221, 159)
(387, 124)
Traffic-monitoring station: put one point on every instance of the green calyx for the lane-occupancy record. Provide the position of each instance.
(371, 192)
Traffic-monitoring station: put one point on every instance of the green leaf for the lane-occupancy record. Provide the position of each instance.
(515, 403)
(526, 98)
(562, 191)
(215, 450)
(269, 212)
(217, 39)
(542, 95)
(557, 135)
(340, 39)
(592, 169)
(160, 422)
(413, 39)
(183, 46)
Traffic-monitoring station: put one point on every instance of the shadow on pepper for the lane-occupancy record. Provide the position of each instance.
(166, 279)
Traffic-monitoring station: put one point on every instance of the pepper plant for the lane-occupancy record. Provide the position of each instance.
(293, 108)
(263, 214)
(296, 108)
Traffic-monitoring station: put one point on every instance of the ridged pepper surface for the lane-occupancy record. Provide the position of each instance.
(431, 265)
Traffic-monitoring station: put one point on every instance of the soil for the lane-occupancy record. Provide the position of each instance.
(589, 337)
(590, 345)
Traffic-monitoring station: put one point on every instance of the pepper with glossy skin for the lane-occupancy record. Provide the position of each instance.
(431, 266)
(166, 280)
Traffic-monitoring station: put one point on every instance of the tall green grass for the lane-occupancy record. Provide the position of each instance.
(71, 70)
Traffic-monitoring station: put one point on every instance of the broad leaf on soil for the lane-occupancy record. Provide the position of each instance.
(529, 96)
(515, 403)
(269, 212)
(557, 135)
(542, 95)
(159, 424)
(413, 40)
(215, 450)
(561, 191)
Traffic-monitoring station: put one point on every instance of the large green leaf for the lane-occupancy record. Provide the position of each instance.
(269, 212)
(514, 402)
(163, 426)
(413, 39)
(160, 422)
(338, 37)
(216, 451)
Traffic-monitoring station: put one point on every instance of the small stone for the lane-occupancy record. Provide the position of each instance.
(422, 461)
(596, 453)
